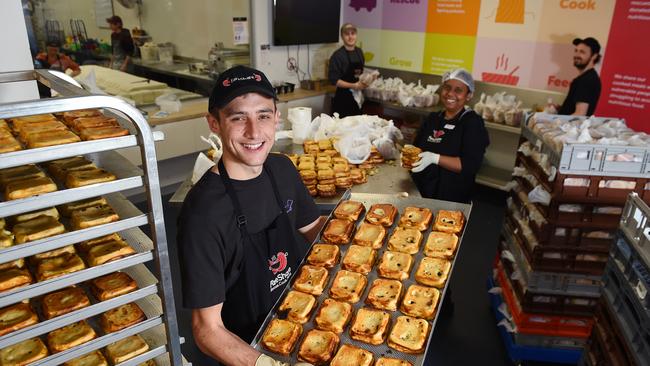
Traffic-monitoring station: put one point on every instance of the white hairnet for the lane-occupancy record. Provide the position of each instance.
(461, 75)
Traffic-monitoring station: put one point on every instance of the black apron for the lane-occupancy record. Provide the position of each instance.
(446, 138)
(343, 101)
(270, 257)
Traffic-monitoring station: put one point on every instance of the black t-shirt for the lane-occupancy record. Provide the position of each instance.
(463, 136)
(584, 89)
(126, 42)
(340, 61)
(209, 241)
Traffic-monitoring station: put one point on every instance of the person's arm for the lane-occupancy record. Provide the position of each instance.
(125, 64)
(310, 232)
(213, 339)
(581, 109)
(70, 64)
(347, 85)
(452, 163)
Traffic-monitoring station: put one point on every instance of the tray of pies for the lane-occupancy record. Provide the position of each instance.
(369, 288)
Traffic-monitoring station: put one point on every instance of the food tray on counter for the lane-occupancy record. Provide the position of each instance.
(382, 350)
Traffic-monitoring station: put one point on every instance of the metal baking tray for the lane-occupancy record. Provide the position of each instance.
(368, 199)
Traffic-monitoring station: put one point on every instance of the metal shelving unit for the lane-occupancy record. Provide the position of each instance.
(155, 295)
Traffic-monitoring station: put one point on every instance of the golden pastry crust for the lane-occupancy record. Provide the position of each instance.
(16, 316)
(70, 116)
(126, 349)
(85, 246)
(68, 208)
(112, 285)
(99, 133)
(35, 128)
(18, 189)
(311, 280)
(60, 168)
(22, 172)
(349, 210)
(83, 123)
(333, 315)
(121, 317)
(281, 336)
(350, 355)
(382, 214)
(95, 358)
(306, 165)
(420, 301)
(395, 265)
(449, 221)
(416, 217)
(51, 138)
(370, 235)
(9, 144)
(23, 353)
(108, 251)
(338, 231)
(384, 294)
(348, 286)
(80, 178)
(370, 326)
(405, 240)
(359, 259)
(68, 249)
(324, 255)
(51, 212)
(409, 335)
(298, 306)
(433, 272)
(387, 361)
(93, 216)
(37, 228)
(58, 266)
(70, 336)
(14, 277)
(441, 245)
(64, 301)
(318, 347)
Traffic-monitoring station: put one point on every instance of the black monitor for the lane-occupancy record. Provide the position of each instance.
(305, 21)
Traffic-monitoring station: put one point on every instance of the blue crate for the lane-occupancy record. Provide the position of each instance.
(518, 353)
(631, 316)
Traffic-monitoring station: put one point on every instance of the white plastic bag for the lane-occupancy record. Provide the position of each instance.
(214, 141)
(539, 195)
(355, 147)
(169, 103)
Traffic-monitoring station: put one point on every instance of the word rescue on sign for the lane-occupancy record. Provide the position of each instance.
(578, 4)
(397, 62)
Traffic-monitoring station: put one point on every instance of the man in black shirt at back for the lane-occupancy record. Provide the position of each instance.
(585, 89)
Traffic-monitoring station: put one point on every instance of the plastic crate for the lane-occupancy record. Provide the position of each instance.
(606, 332)
(548, 303)
(542, 324)
(593, 193)
(636, 227)
(625, 294)
(575, 233)
(592, 159)
(518, 353)
(551, 282)
(558, 258)
(633, 328)
(549, 342)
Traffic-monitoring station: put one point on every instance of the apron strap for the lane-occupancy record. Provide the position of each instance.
(241, 219)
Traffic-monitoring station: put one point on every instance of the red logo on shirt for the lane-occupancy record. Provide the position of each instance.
(278, 262)
(438, 133)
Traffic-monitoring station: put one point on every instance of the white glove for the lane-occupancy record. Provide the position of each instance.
(264, 360)
(426, 158)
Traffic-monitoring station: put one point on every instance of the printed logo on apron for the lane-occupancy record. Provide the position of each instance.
(436, 136)
(277, 264)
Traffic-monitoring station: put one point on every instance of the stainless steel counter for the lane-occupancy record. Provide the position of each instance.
(390, 179)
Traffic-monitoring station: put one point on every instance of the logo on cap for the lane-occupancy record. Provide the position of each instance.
(228, 82)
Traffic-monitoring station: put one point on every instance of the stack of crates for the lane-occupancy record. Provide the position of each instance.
(621, 333)
(551, 260)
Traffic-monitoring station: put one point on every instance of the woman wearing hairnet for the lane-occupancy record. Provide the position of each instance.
(453, 143)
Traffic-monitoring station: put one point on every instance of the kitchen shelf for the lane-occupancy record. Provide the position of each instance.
(502, 127)
(493, 177)
(155, 293)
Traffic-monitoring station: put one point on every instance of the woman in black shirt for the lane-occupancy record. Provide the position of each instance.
(453, 143)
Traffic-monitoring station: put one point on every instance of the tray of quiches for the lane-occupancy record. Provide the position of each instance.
(369, 289)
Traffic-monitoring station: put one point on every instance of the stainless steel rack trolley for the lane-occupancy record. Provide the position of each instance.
(154, 294)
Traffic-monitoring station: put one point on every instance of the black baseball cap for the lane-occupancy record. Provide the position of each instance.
(589, 42)
(237, 81)
(114, 20)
